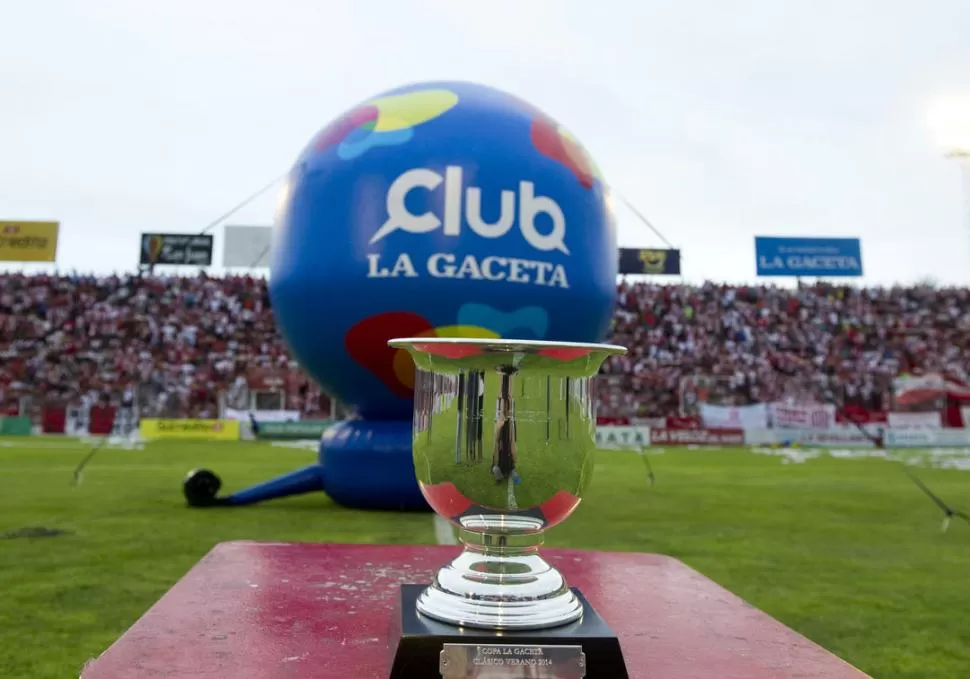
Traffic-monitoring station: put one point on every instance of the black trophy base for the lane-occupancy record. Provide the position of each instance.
(416, 643)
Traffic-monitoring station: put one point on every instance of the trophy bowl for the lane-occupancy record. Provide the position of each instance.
(504, 438)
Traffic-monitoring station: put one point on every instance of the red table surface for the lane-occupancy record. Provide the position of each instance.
(315, 611)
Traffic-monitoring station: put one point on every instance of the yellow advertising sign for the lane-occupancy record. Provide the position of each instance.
(207, 430)
(28, 241)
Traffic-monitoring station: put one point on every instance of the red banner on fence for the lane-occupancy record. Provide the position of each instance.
(699, 437)
(54, 420)
(689, 422)
(612, 421)
(102, 420)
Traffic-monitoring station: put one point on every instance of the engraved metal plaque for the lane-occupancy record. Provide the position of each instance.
(512, 661)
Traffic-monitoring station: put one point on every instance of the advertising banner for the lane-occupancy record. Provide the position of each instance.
(811, 416)
(698, 437)
(28, 241)
(177, 249)
(925, 420)
(262, 415)
(829, 438)
(622, 437)
(15, 426)
(304, 429)
(649, 261)
(808, 256)
(246, 246)
(922, 438)
(754, 416)
(837, 437)
(206, 430)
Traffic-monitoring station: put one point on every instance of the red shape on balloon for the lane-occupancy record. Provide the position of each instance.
(549, 142)
(337, 131)
(366, 343)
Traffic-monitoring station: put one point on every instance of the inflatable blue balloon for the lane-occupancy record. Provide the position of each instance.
(440, 209)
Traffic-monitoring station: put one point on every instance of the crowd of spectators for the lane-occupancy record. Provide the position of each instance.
(172, 344)
(169, 344)
(737, 345)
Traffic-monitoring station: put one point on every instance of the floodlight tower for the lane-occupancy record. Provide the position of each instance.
(962, 156)
(949, 119)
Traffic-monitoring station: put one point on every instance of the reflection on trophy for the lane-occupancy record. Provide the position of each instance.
(504, 438)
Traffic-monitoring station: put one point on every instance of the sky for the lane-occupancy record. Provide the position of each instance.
(718, 120)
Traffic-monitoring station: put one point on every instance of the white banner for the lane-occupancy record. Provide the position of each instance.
(921, 438)
(622, 436)
(813, 416)
(246, 246)
(965, 414)
(734, 417)
(77, 422)
(262, 415)
(930, 420)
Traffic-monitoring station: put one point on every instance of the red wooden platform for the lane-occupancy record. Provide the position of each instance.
(280, 611)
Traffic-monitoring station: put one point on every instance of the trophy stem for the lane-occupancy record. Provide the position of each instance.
(501, 544)
(500, 582)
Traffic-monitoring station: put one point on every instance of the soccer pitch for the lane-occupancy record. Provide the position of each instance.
(846, 551)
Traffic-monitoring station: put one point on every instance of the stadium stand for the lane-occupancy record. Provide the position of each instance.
(746, 344)
(175, 346)
(170, 345)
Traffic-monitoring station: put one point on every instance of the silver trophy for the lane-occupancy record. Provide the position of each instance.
(504, 438)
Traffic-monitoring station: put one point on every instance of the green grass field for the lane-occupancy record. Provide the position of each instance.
(846, 551)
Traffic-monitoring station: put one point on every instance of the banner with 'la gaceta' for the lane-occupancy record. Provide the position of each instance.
(918, 420)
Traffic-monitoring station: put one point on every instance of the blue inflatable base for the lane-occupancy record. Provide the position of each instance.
(363, 464)
(369, 465)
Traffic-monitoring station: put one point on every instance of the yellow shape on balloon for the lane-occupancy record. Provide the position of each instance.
(404, 366)
(578, 153)
(401, 111)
